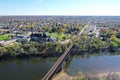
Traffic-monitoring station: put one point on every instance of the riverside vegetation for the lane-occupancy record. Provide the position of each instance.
(83, 43)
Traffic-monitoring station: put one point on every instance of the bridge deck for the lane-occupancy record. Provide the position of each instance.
(50, 73)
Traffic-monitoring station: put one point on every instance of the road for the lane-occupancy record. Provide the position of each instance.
(90, 29)
(85, 27)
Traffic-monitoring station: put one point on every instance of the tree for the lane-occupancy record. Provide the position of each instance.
(4, 50)
(115, 40)
(1, 53)
(113, 45)
(62, 30)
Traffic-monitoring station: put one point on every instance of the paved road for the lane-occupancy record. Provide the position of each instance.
(85, 27)
(89, 29)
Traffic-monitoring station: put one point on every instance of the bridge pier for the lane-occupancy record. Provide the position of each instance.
(56, 72)
(59, 69)
(67, 58)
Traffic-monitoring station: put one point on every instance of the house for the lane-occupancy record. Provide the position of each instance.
(22, 38)
(40, 37)
(2, 25)
(118, 35)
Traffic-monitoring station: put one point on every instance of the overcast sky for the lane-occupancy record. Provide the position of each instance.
(59, 7)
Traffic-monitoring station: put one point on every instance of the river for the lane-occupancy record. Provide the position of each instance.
(31, 69)
(36, 68)
(94, 63)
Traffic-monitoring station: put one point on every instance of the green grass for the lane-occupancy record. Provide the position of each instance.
(56, 35)
(4, 37)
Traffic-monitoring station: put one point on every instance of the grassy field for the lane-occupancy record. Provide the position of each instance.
(56, 35)
(4, 37)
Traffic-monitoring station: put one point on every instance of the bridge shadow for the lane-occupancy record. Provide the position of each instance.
(67, 63)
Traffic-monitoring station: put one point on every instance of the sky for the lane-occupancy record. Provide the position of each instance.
(60, 7)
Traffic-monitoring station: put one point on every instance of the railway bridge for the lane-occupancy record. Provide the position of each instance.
(58, 65)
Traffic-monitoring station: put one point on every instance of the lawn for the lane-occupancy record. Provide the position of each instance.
(56, 35)
(4, 37)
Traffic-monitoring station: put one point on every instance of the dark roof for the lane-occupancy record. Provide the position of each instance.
(19, 36)
(38, 35)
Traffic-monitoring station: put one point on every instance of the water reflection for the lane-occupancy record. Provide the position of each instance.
(31, 69)
(94, 63)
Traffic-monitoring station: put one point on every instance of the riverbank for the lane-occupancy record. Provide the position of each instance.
(62, 76)
(46, 54)
(84, 76)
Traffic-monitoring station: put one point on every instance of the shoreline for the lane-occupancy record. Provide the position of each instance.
(9, 56)
(83, 76)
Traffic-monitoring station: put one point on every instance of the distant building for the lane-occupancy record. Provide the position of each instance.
(2, 25)
(118, 35)
(22, 39)
(39, 37)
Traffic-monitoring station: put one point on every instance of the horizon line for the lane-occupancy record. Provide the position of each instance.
(56, 15)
